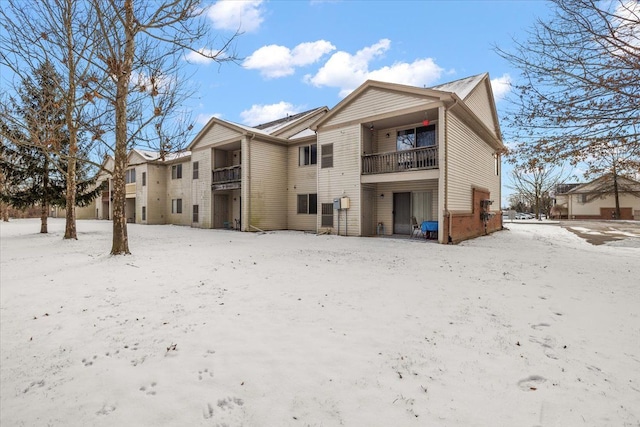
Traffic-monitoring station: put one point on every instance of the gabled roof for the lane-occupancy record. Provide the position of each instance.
(273, 127)
(565, 188)
(604, 184)
(416, 91)
(269, 131)
(156, 156)
(463, 96)
(462, 87)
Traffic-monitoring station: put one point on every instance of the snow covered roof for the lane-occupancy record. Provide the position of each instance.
(303, 134)
(275, 125)
(461, 87)
(155, 155)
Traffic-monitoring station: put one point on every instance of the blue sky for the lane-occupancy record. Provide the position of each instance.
(299, 55)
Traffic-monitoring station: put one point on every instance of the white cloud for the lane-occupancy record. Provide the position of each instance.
(198, 58)
(233, 15)
(258, 114)
(501, 86)
(275, 61)
(625, 21)
(347, 71)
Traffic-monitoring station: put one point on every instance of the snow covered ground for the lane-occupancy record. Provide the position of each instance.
(531, 326)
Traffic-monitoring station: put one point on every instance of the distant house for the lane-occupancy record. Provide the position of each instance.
(100, 208)
(596, 199)
(387, 155)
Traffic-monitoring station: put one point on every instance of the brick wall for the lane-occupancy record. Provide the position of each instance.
(467, 225)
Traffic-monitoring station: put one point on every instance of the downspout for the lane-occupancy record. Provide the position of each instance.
(446, 168)
(318, 164)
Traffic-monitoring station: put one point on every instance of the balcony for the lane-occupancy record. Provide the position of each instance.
(400, 161)
(228, 178)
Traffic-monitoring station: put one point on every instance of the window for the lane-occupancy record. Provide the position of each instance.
(130, 176)
(196, 173)
(196, 208)
(176, 171)
(144, 213)
(176, 206)
(144, 179)
(423, 136)
(497, 163)
(327, 215)
(327, 156)
(583, 198)
(308, 204)
(308, 155)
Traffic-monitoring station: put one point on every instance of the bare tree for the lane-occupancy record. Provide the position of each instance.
(61, 33)
(141, 48)
(579, 100)
(533, 184)
(122, 61)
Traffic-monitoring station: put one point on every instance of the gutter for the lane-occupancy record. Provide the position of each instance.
(250, 136)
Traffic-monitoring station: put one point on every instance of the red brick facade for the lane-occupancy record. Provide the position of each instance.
(467, 225)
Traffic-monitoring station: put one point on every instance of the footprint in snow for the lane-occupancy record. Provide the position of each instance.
(531, 383)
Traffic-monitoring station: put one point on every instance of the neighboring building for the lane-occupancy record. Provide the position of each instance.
(384, 154)
(596, 199)
(101, 207)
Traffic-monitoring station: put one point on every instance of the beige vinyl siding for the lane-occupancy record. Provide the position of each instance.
(592, 207)
(343, 179)
(201, 188)
(384, 205)
(375, 101)
(135, 160)
(156, 194)
(179, 189)
(216, 134)
(478, 100)
(268, 194)
(301, 180)
(141, 193)
(90, 211)
(470, 163)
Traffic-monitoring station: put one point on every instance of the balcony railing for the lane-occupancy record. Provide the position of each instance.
(400, 161)
(229, 174)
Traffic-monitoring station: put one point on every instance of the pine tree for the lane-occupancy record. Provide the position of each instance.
(35, 147)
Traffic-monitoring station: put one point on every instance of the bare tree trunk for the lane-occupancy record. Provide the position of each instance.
(4, 209)
(44, 213)
(122, 69)
(616, 192)
(44, 210)
(120, 244)
(70, 231)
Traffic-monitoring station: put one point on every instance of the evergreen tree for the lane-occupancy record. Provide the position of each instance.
(35, 146)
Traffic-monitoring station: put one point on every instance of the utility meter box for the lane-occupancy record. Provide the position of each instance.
(344, 203)
(336, 204)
